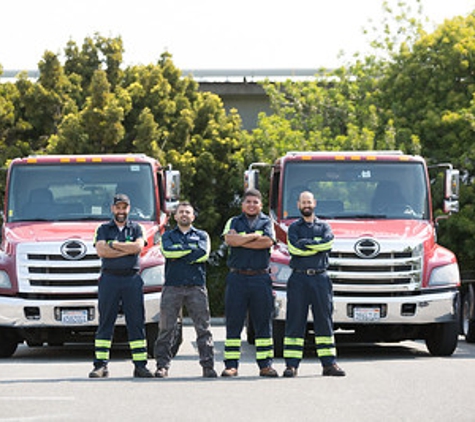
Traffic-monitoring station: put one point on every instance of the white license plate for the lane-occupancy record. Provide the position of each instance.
(74, 316)
(366, 314)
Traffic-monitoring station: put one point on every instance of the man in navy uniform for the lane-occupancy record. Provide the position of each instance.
(119, 243)
(310, 241)
(248, 284)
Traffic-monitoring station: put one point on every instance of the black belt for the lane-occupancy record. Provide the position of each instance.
(125, 272)
(309, 271)
(249, 272)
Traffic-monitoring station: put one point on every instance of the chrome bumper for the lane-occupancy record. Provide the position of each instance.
(429, 308)
(14, 311)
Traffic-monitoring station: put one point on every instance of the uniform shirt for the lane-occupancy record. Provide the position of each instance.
(186, 254)
(244, 258)
(130, 233)
(309, 244)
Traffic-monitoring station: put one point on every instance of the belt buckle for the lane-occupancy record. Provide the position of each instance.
(311, 271)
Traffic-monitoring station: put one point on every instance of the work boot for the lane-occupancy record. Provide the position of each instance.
(229, 372)
(290, 372)
(142, 372)
(268, 372)
(209, 373)
(99, 372)
(333, 371)
(161, 373)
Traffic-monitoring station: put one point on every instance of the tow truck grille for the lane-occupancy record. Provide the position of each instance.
(395, 270)
(49, 271)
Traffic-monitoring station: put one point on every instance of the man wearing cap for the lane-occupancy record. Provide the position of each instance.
(119, 243)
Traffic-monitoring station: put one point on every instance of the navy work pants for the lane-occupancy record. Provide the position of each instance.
(304, 292)
(248, 294)
(116, 291)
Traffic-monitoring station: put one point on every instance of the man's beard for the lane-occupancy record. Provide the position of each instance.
(306, 212)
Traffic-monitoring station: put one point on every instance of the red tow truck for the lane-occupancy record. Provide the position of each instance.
(49, 267)
(391, 279)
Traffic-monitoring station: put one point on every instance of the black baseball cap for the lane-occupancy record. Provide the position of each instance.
(121, 197)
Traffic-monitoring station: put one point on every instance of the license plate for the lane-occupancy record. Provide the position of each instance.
(366, 314)
(74, 316)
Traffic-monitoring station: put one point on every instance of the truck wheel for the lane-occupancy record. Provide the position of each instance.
(278, 334)
(442, 339)
(468, 320)
(8, 342)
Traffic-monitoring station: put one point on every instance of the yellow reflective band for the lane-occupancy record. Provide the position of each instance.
(299, 252)
(102, 355)
(263, 342)
(326, 352)
(204, 258)
(265, 354)
(139, 356)
(259, 232)
(138, 344)
(322, 246)
(103, 343)
(296, 354)
(174, 254)
(232, 355)
(232, 342)
(293, 341)
(325, 340)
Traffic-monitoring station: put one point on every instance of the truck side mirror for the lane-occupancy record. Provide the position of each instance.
(172, 189)
(251, 179)
(451, 191)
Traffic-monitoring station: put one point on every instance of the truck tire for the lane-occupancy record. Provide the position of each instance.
(468, 320)
(278, 334)
(442, 339)
(8, 342)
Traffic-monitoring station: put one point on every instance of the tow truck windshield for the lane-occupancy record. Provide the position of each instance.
(367, 189)
(71, 192)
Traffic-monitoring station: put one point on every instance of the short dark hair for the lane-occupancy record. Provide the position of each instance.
(252, 192)
(184, 204)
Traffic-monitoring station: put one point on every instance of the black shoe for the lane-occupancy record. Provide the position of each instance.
(268, 372)
(209, 373)
(161, 373)
(142, 372)
(333, 371)
(290, 372)
(99, 372)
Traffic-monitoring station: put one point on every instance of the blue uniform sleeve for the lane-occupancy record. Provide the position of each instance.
(173, 249)
(302, 246)
(199, 250)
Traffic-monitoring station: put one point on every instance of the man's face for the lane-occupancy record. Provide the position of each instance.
(184, 215)
(251, 205)
(306, 204)
(120, 211)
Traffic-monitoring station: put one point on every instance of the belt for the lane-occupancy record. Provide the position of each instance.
(249, 272)
(309, 271)
(124, 272)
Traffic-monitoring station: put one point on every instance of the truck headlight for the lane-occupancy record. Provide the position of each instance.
(445, 275)
(153, 276)
(280, 273)
(5, 282)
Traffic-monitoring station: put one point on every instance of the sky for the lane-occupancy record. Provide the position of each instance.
(207, 34)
